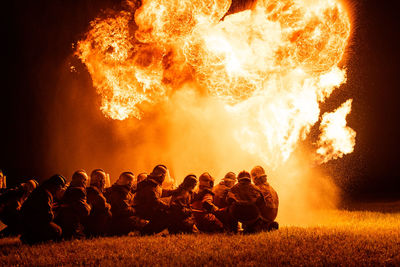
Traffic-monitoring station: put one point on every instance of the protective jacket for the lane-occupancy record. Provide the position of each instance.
(205, 220)
(98, 222)
(148, 198)
(270, 210)
(180, 212)
(73, 211)
(220, 193)
(37, 218)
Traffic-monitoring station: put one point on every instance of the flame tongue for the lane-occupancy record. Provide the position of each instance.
(336, 138)
(270, 66)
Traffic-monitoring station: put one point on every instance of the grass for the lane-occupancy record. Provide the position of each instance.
(336, 238)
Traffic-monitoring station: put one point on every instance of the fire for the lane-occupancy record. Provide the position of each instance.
(336, 138)
(270, 67)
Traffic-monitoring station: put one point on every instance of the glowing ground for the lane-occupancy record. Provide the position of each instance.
(335, 238)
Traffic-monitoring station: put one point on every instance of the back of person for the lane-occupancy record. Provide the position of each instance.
(37, 209)
(148, 203)
(37, 213)
(222, 189)
(10, 204)
(271, 201)
(74, 208)
(245, 201)
(121, 201)
(73, 211)
(100, 214)
(180, 211)
(99, 220)
(220, 193)
(270, 211)
(245, 191)
(205, 220)
(124, 217)
(147, 198)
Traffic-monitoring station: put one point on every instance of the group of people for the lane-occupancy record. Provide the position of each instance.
(56, 210)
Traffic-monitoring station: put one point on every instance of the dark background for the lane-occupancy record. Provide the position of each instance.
(38, 37)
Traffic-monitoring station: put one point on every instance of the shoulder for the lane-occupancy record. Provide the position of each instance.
(147, 183)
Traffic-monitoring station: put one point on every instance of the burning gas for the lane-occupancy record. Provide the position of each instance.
(270, 67)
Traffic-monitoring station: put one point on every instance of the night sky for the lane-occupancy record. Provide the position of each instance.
(38, 38)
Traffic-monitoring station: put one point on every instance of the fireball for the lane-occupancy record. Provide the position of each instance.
(270, 66)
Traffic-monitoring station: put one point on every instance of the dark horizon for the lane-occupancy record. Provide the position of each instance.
(39, 38)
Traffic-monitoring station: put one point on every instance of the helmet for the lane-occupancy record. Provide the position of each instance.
(159, 170)
(98, 178)
(243, 175)
(190, 181)
(258, 175)
(206, 180)
(159, 173)
(257, 171)
(141, 177)
(126, 178)
(230, 176)
(79, 179)
(31, 185)
(56, 180)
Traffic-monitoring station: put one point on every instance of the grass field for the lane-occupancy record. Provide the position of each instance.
(334, 238)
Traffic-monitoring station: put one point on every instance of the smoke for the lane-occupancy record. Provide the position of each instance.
(190, 133)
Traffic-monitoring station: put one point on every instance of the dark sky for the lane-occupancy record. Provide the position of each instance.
(38, 41)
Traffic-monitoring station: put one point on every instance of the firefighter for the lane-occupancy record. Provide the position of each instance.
(37, 214)
(245, 201)
(124, 219)
(221, 190)
(148, 203)
(74, 209)
(270, 210)
(10, 205)
(180, 212)
(204, 208)
(99, 220)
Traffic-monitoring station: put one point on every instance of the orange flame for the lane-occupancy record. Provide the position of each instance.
(270, 66)
(336, 138)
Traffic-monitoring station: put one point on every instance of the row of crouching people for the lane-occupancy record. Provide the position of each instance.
(85, 207)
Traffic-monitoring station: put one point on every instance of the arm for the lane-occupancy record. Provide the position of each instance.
(167, 192)
(207, 203)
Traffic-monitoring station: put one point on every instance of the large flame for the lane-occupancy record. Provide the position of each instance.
(336, 138)
(271, 66)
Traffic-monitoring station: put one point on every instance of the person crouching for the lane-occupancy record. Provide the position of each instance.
(180, 211)
(124, 219)
(99, 220)
(204, 208)
(37, 213)
(74, 209)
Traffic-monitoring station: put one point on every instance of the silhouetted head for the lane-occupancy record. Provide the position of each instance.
(54, 184)
(98, 179)
(159, 173)
(190, 182)
(206, 181)
(244, 176)
(229, 179)
(258, 175)
(126, 178)
(141, 177)
(31, 185)
(79, 179)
